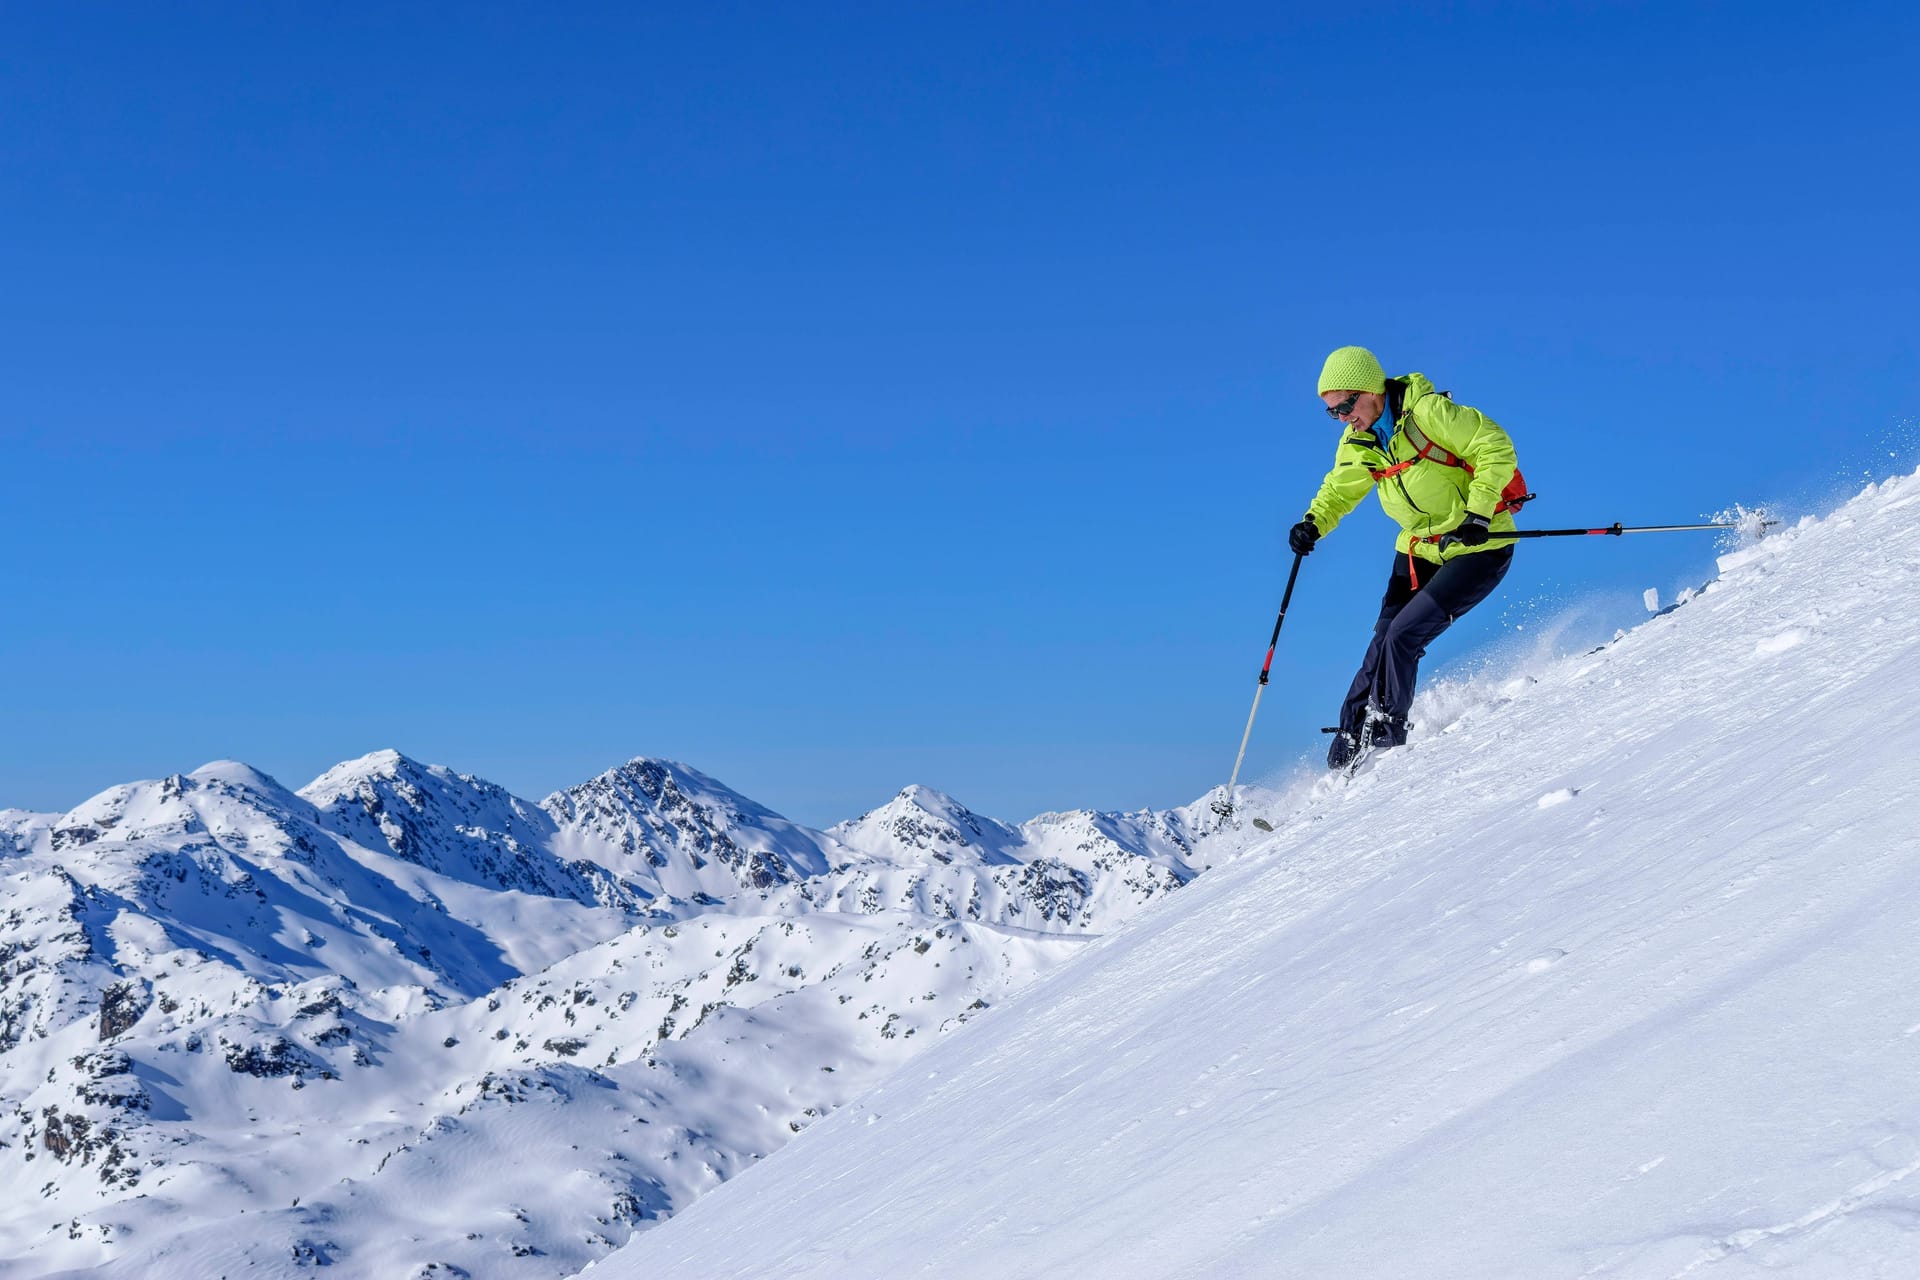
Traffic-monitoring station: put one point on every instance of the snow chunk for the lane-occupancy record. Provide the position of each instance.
(1745, 524)
(1791, 638)
(1546, 960)
(1741, 559)
(1553, 798)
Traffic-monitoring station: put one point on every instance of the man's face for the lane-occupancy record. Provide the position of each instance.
(1366, 410)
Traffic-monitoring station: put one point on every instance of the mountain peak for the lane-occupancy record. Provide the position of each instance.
(386, 763)
(921, 824)
(656, 777)
(238, 774)
(694, 837)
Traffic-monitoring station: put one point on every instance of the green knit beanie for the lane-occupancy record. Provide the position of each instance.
(1352, 369)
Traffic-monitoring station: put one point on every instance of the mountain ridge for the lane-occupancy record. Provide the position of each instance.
(219, 996)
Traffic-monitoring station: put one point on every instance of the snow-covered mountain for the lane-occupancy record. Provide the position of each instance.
(684, 835)
(1610, 973)
(925, 851)
(403, 1022)
(458, 826)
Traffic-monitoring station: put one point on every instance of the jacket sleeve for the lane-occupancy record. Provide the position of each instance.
(1470, 434)
(1341, 491)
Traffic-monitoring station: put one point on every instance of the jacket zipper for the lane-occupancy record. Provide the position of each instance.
(1409, 497)
(1401, 433)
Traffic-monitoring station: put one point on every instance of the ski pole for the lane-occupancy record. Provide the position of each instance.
(1613, 530)
(1224, 805)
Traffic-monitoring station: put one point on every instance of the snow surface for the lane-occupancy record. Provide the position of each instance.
(1610, 973)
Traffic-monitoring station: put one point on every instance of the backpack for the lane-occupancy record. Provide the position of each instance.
(1425, 450)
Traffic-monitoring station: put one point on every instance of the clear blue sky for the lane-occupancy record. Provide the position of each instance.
(836, 397)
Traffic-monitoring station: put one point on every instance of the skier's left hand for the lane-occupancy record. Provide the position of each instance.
(1471, 532)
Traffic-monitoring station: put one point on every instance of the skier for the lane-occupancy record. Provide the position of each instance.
(1447, 474)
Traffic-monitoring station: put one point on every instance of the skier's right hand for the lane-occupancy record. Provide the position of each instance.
(1303, 536)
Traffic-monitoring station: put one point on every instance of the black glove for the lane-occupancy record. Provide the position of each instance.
(1303, 536)
(1471, 532)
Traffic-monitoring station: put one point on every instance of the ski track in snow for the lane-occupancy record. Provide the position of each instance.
(1437, 1026)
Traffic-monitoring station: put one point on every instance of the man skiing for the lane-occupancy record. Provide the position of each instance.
(1447, 474)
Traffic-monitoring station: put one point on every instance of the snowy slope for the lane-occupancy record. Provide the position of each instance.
(1610, 973)
(403, 1023)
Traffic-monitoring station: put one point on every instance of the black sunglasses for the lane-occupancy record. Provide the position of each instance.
(1345, 407)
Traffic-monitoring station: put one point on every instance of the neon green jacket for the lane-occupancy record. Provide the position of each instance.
(1428, 498)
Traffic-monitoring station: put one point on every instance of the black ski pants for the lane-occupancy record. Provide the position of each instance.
(1410, 620)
